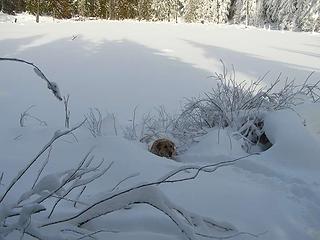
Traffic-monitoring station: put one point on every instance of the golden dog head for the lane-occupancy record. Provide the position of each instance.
(163, 148)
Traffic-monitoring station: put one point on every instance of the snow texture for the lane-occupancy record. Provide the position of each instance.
(116, 66)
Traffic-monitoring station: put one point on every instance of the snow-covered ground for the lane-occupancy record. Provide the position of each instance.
(117, 66)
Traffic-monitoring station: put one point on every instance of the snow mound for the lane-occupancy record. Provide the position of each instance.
(218, 145)
(293, 145)
(311, 115)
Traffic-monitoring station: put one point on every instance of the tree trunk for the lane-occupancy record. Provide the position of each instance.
(112, 15)
(176, 10)
(247, 13)
(218, 15)
(38, 12)
(139, 10)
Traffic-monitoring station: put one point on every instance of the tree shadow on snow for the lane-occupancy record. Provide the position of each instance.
(111, 75)
(11, 46)
(255, 65)
(119, 75)
(307, 53)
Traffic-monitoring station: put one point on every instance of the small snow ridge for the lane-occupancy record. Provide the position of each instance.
(6, 18)
(167, 50)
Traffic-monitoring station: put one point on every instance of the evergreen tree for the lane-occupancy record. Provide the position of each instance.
(223, 11)
(60, 8)
(246, 12)
(165, 9)
(12, 6)
(293, 14)
(102, 11)
(144, 9)
(286, 14)
(127, 9)
(32, 7)
(191, 11)
(308, 18)
(209, 10)
(55, 8)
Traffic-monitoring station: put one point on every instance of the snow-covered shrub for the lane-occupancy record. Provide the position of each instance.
(241, 106)
(94, 122)
(101, 125)
(238, 105)
(156, 125)
(110, 125)
(130, 132)
(18, 216)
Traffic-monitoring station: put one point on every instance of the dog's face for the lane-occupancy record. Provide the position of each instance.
(164, 148)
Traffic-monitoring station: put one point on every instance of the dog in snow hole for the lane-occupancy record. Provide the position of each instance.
(164, 148)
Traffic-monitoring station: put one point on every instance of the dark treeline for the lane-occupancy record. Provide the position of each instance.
(284, 14)
(106, 9)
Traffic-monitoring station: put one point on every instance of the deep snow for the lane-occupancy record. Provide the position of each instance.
(119, 65)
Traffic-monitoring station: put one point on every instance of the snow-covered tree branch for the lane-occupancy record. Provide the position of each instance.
(190, 224)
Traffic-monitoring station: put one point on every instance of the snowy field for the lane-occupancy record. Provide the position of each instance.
(116, 66)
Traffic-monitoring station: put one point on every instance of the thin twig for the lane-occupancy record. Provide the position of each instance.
(42, 167)
(1, 178)
(79, 195)
(66, 111)
(123, 180)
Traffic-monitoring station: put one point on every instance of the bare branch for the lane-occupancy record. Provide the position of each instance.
(18, 137)
(78, 183)
(123, 180)
(94, 123)
(51, 85)
(79, 195)
(56, 136)
(26, 114)
(114, 124)
(67, 111)
(70, 175)
(165, 179)
(1, 178)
